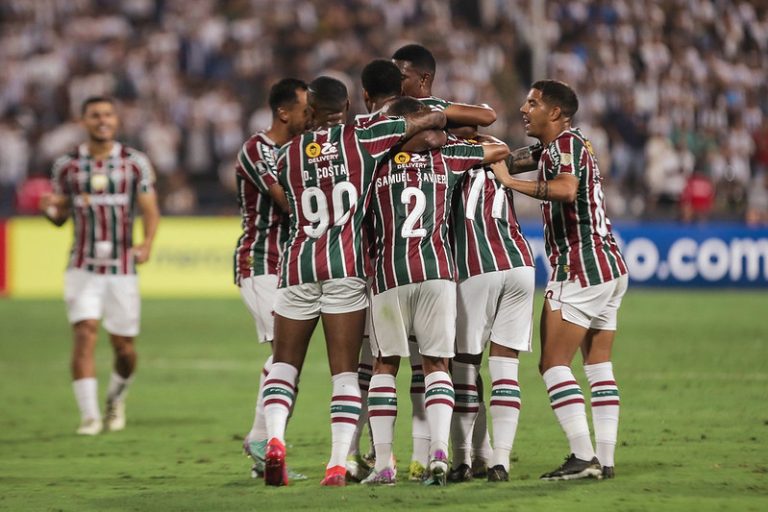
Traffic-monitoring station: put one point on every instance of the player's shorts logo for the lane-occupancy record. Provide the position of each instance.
(313, 150)
(402, 158)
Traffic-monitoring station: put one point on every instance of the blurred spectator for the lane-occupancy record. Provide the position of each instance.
(697, 198)
(757, 201)
(179, 198)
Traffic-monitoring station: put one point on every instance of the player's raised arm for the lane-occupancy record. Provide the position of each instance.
(423, 120)
(562, 188)
(462, 114)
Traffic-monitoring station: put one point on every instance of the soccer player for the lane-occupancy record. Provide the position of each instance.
(413, 287)
(327, 175)
(99, 185)
(494, 303)
(264, 212)
(589, 279)
(417, 69)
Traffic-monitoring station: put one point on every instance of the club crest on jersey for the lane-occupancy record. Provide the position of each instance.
(99, 182)
(566, 159)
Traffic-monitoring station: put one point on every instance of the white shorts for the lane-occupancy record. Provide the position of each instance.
(592, 307)
(427, 309)
(259, 294)
(334, 296)
(496, 306)
(90, 296)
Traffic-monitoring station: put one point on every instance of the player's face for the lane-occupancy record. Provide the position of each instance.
(298, 114)
(536, 113)
(100, 121)
(413, 79)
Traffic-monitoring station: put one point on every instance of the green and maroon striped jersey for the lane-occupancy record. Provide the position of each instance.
(327, 176)
(265, 226)
(435, 103)
(486, 235)
(410, 207)
(578, 236)
(103, 197)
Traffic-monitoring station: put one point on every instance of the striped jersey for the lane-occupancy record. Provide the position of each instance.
(265, 226)
(327, 176)
(486, 235)
(435, 103)
(578, 236)
(103, 198)
(410, 206)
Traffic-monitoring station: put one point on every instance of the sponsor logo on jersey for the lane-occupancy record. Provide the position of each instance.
(402, 158)
(411, 160)
(325, 153)
(313, 150)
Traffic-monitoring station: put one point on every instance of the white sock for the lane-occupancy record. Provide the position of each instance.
(505, 407)
(278, 395)
(419, 423)
(345, 412)
(439, 400)
(464, 411)
(364, 374)
(481, 439)
(118, 387)
(567, 402)
(382, 410)
(605, 409)
(87, 396)
(259, 428)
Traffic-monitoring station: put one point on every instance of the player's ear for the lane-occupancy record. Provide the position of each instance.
(282, 114)
(555, 113)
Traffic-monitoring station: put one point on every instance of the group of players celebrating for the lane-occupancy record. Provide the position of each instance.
(398, 229)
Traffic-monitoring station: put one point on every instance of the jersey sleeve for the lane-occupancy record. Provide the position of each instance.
(462, 155)
(146, 178)
(381, 135)
(259, 164)
(565, 154)
(59, 176)
(436, 103)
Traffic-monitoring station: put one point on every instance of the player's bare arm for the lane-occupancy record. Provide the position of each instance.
(462, 114)
(426, 140)
(524, 159)
(150, 219)
(562, 188)
(420, 121)
(277, 194)
(494, 150)
(56, 208)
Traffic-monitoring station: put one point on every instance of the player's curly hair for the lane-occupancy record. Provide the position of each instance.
(381, 78)
(560, 94)
(418, 56)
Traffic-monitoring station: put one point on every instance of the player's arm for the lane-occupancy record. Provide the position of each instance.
(426, 140)
(563, 188)
(461, 114)
(525, 159)
(425, 120)
(493, 148)
(56, 208)
(150, 219)
(277, 194)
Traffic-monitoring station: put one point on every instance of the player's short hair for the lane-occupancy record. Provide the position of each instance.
(559, 94)
(90, 100)
(418, 56)
(326, 93)
(381, 78)
(405, 105)
(283, 93)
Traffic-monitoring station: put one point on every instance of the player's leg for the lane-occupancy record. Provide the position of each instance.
(357, 467)
(84, 295)
(122, 311)
(389, 341)
(511, 334)
(297, 311)
(596, 349)
(434, 324)
(565, 319)
(465, 369)
(419, 423)
(482, 450)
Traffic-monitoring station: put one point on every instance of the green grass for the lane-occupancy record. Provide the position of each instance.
(692, 368)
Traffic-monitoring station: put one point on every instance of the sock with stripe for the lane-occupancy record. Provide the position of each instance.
(505, 407)
(345, 412)
(439, 400)
(382, 411)
(481, 439)
(464, 411)
(259, 428)
(605, 409)
(419, 423)
(118, 387)
(87, 397)
(364, 374)
(567, 402)
(278, 395)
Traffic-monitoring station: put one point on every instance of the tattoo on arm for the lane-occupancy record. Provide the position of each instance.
(542, 190)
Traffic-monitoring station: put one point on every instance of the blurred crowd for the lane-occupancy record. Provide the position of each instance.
(673, 93)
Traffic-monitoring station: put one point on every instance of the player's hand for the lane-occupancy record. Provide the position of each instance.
(141, 252)
(50, 202)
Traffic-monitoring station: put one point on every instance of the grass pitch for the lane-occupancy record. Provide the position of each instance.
(692, 368)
